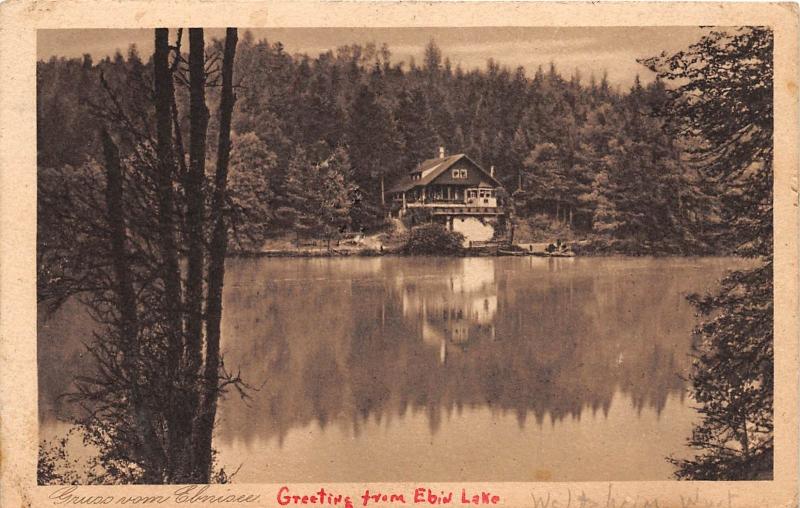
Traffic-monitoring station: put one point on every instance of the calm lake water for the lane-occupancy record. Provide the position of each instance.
(444, 369)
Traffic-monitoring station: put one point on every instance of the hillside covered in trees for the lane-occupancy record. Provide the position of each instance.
(316, 139)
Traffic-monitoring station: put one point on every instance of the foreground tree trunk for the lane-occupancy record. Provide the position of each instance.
(216, 268)
(195, 199)
(126, 299)
(177, 426)
(148, 449)
(163, 97)
(195, 220)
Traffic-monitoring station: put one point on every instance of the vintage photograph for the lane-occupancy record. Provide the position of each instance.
(496, 254)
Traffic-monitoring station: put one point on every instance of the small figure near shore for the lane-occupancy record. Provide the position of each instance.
(559, 246)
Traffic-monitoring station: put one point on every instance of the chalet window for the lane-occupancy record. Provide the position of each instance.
(459, 174)
(463, 173)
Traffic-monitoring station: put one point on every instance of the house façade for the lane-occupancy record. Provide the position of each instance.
(454, 190)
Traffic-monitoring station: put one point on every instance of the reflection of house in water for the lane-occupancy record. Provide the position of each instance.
(456, 311)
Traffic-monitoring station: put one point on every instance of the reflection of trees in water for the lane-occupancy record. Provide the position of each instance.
(322, 384)
(61, 356)
(344, 350)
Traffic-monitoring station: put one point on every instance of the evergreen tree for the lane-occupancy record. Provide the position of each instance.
(724, 101)
(375, 149)
(546, 179)
(432, 60)
(415, 125)
(320, 194)
(252, 197)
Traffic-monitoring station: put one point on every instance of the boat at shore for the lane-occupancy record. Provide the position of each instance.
(516, 251)
(512, 252)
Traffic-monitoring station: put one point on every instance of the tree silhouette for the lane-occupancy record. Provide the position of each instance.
(149, 399)
(724, 103)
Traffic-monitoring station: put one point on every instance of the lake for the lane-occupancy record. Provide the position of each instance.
(444, 369)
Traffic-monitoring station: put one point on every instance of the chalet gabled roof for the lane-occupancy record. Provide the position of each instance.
(436, 162)
(431, 169)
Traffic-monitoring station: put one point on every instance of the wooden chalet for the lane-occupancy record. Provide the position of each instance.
(448, 186)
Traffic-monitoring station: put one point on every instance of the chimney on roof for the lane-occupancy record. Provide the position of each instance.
(491, 171)
(441, 152)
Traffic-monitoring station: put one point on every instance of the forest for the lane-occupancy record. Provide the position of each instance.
(316, 139)
(138, 208)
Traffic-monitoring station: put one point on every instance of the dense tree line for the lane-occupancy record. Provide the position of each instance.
(582, 152)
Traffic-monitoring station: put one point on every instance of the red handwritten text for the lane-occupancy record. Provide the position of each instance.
(320, 497)
(380, 497)
(423, 495)
(479, 499)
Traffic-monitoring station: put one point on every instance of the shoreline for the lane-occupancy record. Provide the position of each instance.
(324, 253)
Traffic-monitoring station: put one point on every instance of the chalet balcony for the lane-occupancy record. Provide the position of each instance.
(488, 202)
(436, 202)
(457, 207)
(446, 202)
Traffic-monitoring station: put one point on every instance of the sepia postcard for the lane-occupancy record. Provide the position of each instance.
(373, 254)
